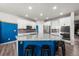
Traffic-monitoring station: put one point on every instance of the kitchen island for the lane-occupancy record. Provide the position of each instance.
(34, 45)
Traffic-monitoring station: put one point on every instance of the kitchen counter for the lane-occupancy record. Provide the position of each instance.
(38, 38)
(37, 41)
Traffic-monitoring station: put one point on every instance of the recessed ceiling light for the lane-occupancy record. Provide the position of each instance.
(61, 13)
(54, 8)
(41, 14)
(26, 15)
(30, 7)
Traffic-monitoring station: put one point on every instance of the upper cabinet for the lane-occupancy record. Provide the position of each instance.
(65, 21)
(55, 24)
(8, 32)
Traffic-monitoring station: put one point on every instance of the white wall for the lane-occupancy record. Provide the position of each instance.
(22, 23)
(48, 23)
(8, 18)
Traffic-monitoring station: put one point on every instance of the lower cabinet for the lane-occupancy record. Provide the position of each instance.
(36, 48)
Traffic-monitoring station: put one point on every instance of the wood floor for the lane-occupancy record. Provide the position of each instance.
(73, 50)
(8, 49)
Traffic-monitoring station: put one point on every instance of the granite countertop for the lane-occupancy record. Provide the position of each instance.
(39, 38)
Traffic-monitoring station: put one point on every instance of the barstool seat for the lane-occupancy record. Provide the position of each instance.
(61, 48)
(45, 50)
(30, 50)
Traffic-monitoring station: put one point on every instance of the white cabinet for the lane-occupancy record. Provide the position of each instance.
(55, 24)
(65, 21)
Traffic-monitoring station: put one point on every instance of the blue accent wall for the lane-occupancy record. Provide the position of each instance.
(23, 44)
(7, 32)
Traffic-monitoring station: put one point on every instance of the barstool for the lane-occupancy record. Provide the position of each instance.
(61, 48)
(45, 50)
(30, 50)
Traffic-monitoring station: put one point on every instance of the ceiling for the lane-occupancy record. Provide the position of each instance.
(21, 9)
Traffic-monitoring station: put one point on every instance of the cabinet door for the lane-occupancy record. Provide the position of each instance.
(9, 32)
(65, 21)
(21, 50)
(12, 31)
